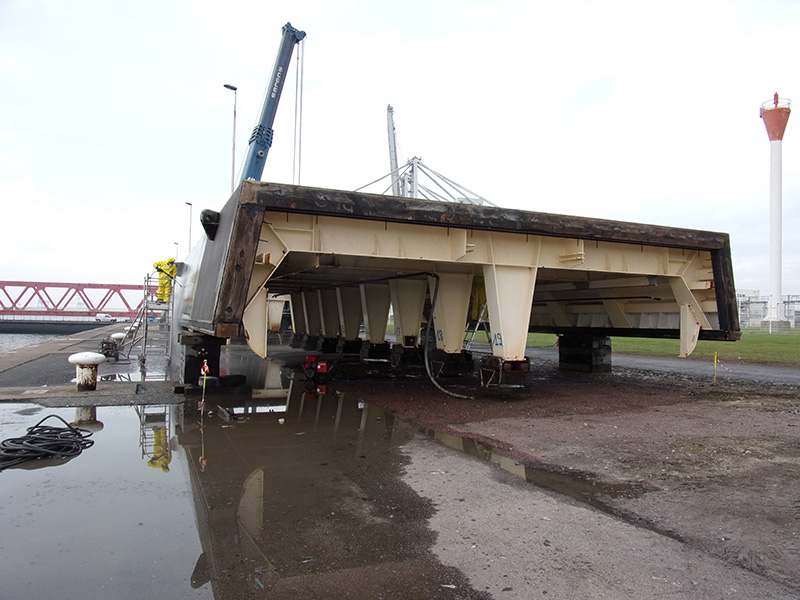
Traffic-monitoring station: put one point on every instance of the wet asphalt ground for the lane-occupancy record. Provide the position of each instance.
(299, 491)
(284, 492)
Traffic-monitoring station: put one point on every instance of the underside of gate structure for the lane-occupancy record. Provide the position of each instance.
(345, 259)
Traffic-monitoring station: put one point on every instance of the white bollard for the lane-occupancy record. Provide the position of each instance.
(86, 418)
(86, 369)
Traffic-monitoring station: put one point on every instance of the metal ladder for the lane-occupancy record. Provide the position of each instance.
(157, 321)
(150, 330)
(155, 430)
(482, 321)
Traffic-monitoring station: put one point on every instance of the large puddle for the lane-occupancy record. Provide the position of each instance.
(290, 490)
(102, 525)
(295, 492)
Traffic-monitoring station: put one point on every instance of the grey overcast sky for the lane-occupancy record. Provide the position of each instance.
(114, 115)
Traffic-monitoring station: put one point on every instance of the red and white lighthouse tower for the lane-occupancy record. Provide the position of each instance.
(775, 114)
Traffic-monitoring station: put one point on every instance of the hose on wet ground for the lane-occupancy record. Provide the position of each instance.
(427, 343)
(44, 441)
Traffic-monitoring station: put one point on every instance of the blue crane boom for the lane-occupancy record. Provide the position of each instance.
(261, 138)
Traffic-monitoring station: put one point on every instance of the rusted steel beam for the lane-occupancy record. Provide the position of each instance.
(727, 307)
(226, 267)
(289, 198)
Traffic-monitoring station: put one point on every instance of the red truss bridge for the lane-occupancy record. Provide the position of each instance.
(49, 301)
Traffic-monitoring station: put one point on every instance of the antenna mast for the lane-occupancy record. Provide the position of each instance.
(395, 170)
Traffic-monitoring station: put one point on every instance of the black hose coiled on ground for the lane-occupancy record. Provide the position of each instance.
(44, 442)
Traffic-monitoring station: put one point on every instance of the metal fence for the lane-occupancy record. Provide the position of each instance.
(753, 310)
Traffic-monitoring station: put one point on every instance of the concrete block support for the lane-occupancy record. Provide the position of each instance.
(584, 353)
(350, 313)
(375, 300)
(198, 349)
(408, 302)
(450, 314)
(509, 295)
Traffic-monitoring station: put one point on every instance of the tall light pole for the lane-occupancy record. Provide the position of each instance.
(189, 204)
(176, 251)
(233, 160)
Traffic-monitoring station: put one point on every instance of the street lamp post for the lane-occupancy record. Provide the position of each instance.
(189, 204)
(176, 251)
(233, 160)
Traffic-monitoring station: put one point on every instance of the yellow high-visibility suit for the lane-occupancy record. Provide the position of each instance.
(166, 273)
(162, 455)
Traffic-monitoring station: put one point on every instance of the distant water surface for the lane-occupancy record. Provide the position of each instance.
(13, 341)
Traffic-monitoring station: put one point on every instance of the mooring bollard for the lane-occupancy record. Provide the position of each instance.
(86, 418)
(86, 369)
(117, 339)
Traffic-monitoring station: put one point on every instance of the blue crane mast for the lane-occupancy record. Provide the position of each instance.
(261, 138)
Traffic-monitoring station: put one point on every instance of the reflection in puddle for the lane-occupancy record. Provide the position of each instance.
(300, 497)
(102, 525)
(155, 431)
(120, 377)
(140, 375)
(583, 487)
(308, 503)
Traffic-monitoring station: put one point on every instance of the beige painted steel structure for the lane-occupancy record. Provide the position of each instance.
(345, 258)
(620, 286)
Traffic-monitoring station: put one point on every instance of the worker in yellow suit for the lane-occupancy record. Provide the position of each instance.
(162, 455)
(166, 273)
(478, 296)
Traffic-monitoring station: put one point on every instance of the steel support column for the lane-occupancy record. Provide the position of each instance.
(452, 306)
(298, 314)
(329, 310)
(349, 302)
(375, 300)
(509, 295)
(408, 303)
(312, 314)
(255, 321)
